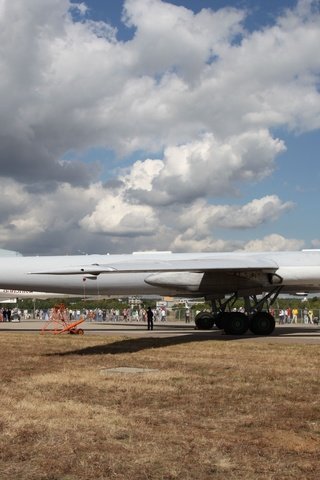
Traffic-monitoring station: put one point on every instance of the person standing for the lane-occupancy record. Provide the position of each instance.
(295, 313)
(150, 318)
(289, 315)
(281, 316)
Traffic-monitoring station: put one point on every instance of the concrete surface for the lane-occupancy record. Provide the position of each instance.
(283, 333)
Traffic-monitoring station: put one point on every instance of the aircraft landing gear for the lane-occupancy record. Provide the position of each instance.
(258, 321)
(238, 323)
(233, 323)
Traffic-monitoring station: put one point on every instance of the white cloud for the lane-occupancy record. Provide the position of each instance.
(198, 223)
(113, 215)
(80, 7)
(274, 242)
(82, 88)
(204, 217)
(204, 168)
(142, 173)
(187, 242)
(178, 39)
(315, 243)
(182, 86)
(25, 214)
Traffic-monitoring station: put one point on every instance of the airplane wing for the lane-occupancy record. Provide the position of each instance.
(191, 273)
(232, 264)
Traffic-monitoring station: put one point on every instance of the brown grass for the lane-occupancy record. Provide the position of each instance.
(213, 410)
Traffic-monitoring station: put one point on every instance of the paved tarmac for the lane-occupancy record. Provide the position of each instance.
(283, 333)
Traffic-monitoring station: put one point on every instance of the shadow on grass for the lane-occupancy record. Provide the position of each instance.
(132, 345)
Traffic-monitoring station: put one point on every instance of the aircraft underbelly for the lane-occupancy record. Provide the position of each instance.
(209, 282)
(229, 282)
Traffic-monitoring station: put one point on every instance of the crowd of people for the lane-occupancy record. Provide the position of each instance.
(140, 314)
(295, 315)
(125, 315)
(5, 315)
(11, 315)
(91, 315)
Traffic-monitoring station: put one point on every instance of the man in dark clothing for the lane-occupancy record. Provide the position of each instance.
(150, 318)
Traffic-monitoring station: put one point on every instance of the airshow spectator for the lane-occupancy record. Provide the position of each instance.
(143, 315)
(150, 318)
(281, 316)
(295, 312)
(288, 314)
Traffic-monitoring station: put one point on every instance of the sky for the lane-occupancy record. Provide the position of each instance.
(134, 125)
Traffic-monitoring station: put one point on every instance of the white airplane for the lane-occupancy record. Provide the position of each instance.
(258, 278)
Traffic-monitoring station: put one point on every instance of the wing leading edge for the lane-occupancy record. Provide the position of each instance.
(232, 263)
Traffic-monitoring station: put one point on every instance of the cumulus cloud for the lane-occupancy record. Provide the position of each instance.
(269, 243)
(113, 215)
(206, 168)
(254, 213)
(191, 104)
(25, 215)
(198, 223)
(273, 243)
(179, 39)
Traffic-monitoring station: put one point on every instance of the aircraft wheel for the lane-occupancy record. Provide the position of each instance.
(235, 323)
(262, 323)
(219, 320)
(204, 321)
(80, 331)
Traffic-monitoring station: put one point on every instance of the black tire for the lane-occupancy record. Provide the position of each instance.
(262, 323)
(235, 323)
(204, 321)
(219, 320)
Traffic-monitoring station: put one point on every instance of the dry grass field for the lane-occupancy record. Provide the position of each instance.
(210, 410)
